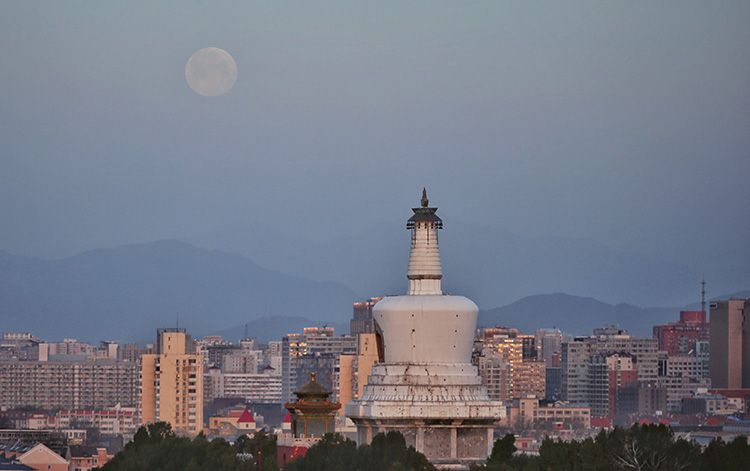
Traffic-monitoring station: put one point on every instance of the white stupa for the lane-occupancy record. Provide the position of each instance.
(427, 388)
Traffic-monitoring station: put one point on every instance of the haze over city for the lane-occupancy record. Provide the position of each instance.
(612, 131)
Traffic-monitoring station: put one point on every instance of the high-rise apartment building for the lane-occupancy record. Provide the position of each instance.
(682, 375)
(585, 374)
(22, 346)
(88, 384)
(553, 383)
(524, 373)
(362, 321)
(730, 344)
(679, 338)
(493, 369)
(255, 388)
(528, 379)
(353, 370)
(621, 386)
(548, 343)
(172, 383)
(313, 341)
(242, 361)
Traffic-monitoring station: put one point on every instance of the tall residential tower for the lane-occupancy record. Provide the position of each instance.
(730, 344)
(172, 383)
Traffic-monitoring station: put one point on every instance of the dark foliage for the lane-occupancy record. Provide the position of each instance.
(156, 447)
(640, 448)
(387, 452)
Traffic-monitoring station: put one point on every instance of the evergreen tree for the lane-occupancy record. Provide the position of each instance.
(387, 452)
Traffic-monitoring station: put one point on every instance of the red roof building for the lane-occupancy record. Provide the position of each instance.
(246, 421)
(678, 338)
(601, 422)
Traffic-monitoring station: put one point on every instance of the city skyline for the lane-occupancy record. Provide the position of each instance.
(338, 235)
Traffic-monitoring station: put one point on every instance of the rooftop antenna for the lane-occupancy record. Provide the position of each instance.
(245, 329)
(703, 295)
(178, 321)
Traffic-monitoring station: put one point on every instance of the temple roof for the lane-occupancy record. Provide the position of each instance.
(312, 389)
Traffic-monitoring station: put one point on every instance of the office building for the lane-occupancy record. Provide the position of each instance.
(362, 321)
(254, 388)
(589, 364)
(87, 384)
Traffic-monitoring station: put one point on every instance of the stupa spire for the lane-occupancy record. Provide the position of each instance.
(424, 272)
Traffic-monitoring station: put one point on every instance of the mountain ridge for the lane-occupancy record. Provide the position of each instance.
(138, 287)
(127, 292)
(579, 315)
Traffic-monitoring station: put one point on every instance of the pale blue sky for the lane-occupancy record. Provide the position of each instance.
(627, 123)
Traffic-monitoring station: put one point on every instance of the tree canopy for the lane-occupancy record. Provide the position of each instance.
(156, 448)
(387, 452)
(640, 448)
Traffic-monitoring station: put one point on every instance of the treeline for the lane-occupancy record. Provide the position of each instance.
(640, 448)
(157, 448)
(387, 452)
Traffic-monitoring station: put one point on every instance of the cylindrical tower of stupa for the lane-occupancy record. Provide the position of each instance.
(425, 326)
(424, 272)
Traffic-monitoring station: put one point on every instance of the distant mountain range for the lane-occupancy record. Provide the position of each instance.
(576, 315)
(125, 293)
(491, 266)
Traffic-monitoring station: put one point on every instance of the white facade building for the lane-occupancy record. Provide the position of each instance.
(255, 388)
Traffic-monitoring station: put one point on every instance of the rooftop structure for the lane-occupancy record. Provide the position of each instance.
(679, 338)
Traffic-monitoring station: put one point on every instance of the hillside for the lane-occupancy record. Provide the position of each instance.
(127, 292)
(578, 315)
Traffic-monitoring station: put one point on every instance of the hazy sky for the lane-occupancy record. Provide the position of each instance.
(627, 123)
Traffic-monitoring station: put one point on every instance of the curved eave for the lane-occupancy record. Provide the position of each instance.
(424, 215)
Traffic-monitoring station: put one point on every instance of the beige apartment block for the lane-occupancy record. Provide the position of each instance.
(355, 369)
(172, 384)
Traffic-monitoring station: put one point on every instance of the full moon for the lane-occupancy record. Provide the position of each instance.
(211, 71)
